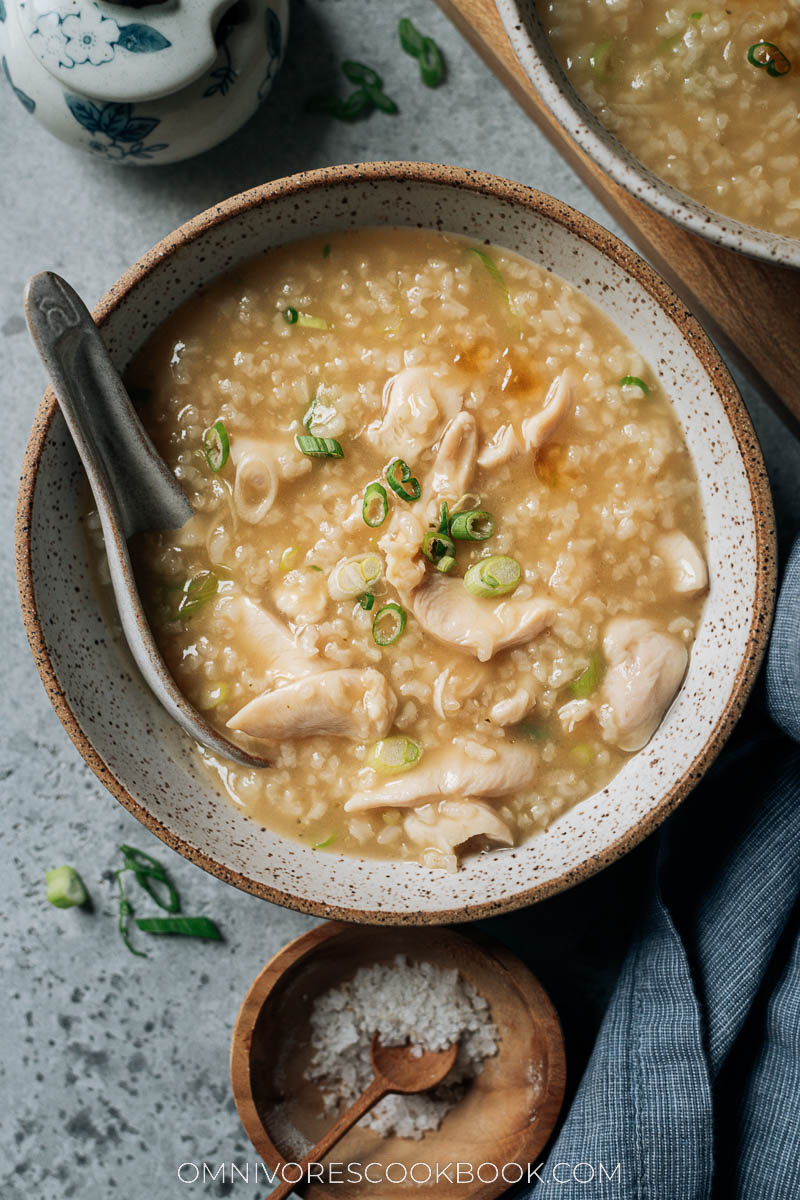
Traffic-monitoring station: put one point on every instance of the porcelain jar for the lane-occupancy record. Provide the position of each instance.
(142, 83)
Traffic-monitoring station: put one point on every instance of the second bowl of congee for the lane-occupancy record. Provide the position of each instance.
(448, 561)
(706, 97)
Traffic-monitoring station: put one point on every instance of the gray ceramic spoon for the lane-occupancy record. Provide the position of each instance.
(133, 488)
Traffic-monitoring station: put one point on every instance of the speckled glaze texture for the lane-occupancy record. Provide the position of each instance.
(150, 765)
(540, 64)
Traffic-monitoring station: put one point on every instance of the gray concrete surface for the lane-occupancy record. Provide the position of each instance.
(113, 1070)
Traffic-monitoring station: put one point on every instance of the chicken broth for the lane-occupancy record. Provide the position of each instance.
(707, 97)
(446, 565)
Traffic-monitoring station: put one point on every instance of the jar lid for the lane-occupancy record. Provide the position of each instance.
(122, 52)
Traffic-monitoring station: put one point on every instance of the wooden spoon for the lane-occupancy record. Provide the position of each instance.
(396, 1069)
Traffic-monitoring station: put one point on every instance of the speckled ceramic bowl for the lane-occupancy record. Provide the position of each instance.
(540, 64)
(151, 766)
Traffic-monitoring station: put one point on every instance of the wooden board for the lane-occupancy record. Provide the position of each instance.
(751, 309)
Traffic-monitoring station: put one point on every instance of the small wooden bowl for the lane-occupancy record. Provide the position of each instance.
(504, 1119)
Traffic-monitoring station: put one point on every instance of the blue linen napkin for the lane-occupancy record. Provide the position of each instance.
(692, 1090)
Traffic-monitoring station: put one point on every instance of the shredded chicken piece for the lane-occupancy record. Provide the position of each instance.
(454, 464)
(271, 648)
(574, 712)
(417, 403)
(448, 771)
(512, 709)
(645, 670)
(455, 822)
(686, 565)
(535, 431)
(349, 703)
(456, 683)
(447, 611)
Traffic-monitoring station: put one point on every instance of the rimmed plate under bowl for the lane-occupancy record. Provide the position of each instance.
(151, 766)
(500, 1125)
(538, 61)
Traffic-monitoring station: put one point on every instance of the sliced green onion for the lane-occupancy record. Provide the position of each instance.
(465, 503)
(535, 733)
(446, 564)
(444, 519)
(355, 576)
(314, 567)
(389, 623)
(695, 16)
(395, 753)
(326, 249)
(197, 927)
(474, 526)
(431, 63)
(323, 844)
(598, 59)
(436, 546)
(197, 591)
(310, 322)
(375, 508)
(494, 272)
(381, 100)
(315, 447)
(358, 104)
(366, 601)
(217, 445)
(358, 72)
(767, 56)
(65, 888)
(587, 681)
(583, 753)
(291, 315)
(147, 869)
(411, 39)
(634, 381)
(287, 558)
(401, 468)
(494, 576)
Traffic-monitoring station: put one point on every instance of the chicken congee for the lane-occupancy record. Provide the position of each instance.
(447, 562)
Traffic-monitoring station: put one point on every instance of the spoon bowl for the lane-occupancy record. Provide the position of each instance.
(133, 488)
(406, 1072)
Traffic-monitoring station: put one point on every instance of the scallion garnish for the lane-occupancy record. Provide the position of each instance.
(197, 591)
(767, 56)
(366, 600)
(494, 576)
(395, 753)
(213, 695)
(355, 576)
(587, 681)
(326, 249)
(494, 272)
(326, 842)
(446, 564)
(598, 59)
(424, 50)
(400, 468)
(634, 381)
(358, 72)
(65, 888)
(216, 445)
(389, 623)
(695, 16)
(291, 315)
(198, 927)
(438, 546)
(473, 526)
(287, 558)
(368, 96)
(148, 872)
(316, 447)
(375, 507)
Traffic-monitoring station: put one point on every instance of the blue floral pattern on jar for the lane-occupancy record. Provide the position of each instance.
(90, 37)
(117, 133)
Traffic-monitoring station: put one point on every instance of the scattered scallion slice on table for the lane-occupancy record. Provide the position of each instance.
(587, 681)
(389, 623)
(197, 927)
(316, 447)
(375, 507)
(217, 446)
(398, 474)
(411, 39)
(396, 753)
(768, 57)
(634, 381)
(65, 888)
(358, 72)
(197, 591)
(494, 576)
(424, 50)
(474, 526)
(148, 872)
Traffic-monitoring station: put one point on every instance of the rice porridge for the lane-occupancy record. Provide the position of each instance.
(707, 96)
(446, 566)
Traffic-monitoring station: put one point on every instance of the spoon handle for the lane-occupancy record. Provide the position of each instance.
(367, 1100)
(115, 450)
